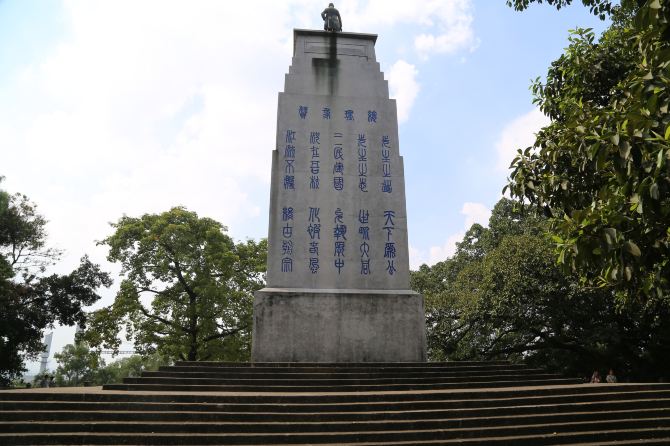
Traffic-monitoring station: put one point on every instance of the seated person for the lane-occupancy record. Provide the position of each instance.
(595, 378)
(611, 377)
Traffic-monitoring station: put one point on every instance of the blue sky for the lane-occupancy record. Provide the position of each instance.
(130, 107)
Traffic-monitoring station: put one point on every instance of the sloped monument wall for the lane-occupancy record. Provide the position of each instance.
(338, 264)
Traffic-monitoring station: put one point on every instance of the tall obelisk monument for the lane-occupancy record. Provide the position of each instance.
(338, 269)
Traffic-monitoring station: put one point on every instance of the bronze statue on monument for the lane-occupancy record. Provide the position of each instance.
(331, 19)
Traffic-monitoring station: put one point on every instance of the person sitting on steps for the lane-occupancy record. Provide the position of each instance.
(595, 378)
(611, 377)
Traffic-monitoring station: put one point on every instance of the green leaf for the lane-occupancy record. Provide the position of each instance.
(659, 159)
(655, 4)
(624, 149)
(667, 132)
(632, 249)
(610, 236)
(593, 150)
(653, 191)
(628, 272)
(615, 139)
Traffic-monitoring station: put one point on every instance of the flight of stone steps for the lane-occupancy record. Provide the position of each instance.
(340, 377)
(492, 403)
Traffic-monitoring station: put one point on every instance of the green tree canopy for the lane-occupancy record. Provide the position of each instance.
(132, 366)
(600, 8)
(502, 296)
(31, 301)
(187, 288)
(601, 169)
(77, 364)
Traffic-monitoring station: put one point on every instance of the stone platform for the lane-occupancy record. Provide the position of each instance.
(301, 325)
(462, 403)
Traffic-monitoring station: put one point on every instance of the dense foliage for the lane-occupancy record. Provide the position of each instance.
(598, 7)
(601, 169)
(30, 300)
(132, 366)
(78, 365)
(187, 288)
(502, 295)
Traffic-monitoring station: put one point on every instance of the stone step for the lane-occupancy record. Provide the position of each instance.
(547, 404)
(178, 372)
(284, 380)
(560, 414)
(125, 411)
(337, 377)
(563, 393)
(300, 387)
(646, 441)
(534, 424)
(507, 441)
(336, 369)
(520, 435)
(457, 418)
(340, 364)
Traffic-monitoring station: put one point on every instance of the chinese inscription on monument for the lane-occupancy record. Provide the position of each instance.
(338, 263)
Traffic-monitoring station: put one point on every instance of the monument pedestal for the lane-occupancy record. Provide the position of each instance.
(338, 259)
(309, 325)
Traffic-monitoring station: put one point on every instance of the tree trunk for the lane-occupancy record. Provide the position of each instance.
(193, 349)
(193, 329)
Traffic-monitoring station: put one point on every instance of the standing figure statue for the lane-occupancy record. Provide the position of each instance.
(331, 19)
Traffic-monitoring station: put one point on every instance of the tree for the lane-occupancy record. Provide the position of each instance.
(601, 169)
(131, 366)
(30, 300)
(187, 288)
(600, 8)
(502, 296)
(77, 364)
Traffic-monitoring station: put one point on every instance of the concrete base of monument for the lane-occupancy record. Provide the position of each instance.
(303, 325)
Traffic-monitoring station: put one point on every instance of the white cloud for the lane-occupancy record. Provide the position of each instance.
(518, 134)
(453, 31)
(474, 213)
(137, 112)
(448, 249)
(404, 87)
(145, 105)
(445, 26)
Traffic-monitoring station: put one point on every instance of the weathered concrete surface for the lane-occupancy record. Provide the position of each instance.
(338, 224)
(338, 326)
(382, 214)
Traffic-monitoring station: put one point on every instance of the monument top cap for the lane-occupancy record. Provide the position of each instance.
(333, 40)
(316, 32)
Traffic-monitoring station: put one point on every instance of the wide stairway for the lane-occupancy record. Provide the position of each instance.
(340, 377)
(466, 403)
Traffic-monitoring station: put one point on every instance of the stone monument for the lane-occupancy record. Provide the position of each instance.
(338, 266)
